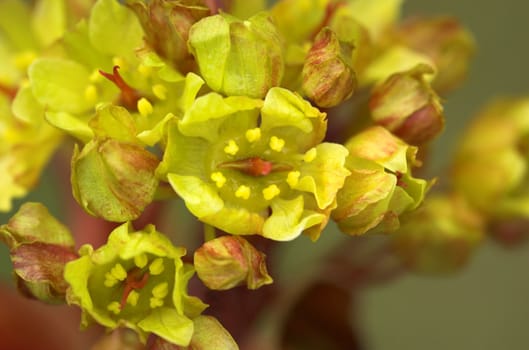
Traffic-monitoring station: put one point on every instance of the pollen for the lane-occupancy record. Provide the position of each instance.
(132, 298)
(218, 178)
(160, 91)
(144, 107)
(118, 272)
(141, 260)
(155, 302)
(90, 93)
(161, 290)
(270, 192)
(310, 155)
(243, 192)
(110, 281)
(144, 70)
(293, 178)
(114, 307)
(253, 135)
(231, 148)
(156, 267)
(276, 144)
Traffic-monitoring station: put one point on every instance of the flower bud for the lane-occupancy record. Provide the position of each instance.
(380, 187)
(229, 261)
(440, 236)
(328, 76)
(166, 25)
(406, 105)
(113, 180)
(445, 41)
(238, 57)
(40, 246)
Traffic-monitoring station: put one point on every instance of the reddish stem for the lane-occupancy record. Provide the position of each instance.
(129, 96)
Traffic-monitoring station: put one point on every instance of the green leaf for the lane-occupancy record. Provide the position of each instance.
(168, 324)
(59, 85)
(114, 29)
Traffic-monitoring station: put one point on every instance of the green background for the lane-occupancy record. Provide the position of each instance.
(486, 305)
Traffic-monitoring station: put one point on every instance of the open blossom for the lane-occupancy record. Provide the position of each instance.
(248, 166)
(136, 280)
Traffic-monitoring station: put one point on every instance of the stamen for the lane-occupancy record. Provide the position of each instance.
(90, 93)
(144, 107)
(161, 290)
(218, 178)
(231, 148)
(293, 178)
(141, 260)
(114, 307)
(118, 272)
(159, 91)
(133, 297)
(243, 192)
(253, 135)
(276, 144)
(144, 70)
(155, 302)
(310, 155)
(270, 192)
(136, 279)
(110, 281)
(156, 266)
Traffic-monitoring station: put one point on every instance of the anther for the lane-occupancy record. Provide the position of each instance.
(293, 178)
(161, 290)
(114, 307)
(156, 267)
(231, 148)
(276, 144)
(253, 135)
(144, 107)
(243, 192)
(160, 91)
(218, 178)
(310, 155)
(271, 192)
(141, 260)
(118, 272)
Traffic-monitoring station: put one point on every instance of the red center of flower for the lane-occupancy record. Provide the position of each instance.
(254, 166)
(136, 279)
(129, 96)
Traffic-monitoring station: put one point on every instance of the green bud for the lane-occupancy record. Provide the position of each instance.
(491, 165)
(380, 187)
(113, 180)
(229, 261)
(166, 24)
(444, 40)
(440, 236)
(406, 105)
(328, 76)
(136, 280)
(39, 246)
(235, 57)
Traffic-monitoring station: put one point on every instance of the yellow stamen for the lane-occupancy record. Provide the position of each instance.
(95, 76)
(243, 192)
(118, 272)
(156, 267)
(253, 135)
(310, 155)
(90, 93)
(218, 178)
(159, 91)
(293, 178)
(118, 61)
(132, 298)
(144, 107)
(276, 144)
(110, 281)
(231, 148)
(155, 302)
(144, 70)
(114, 307)
(161, 290)
(270, 192)
(141, 260)
(24, 59)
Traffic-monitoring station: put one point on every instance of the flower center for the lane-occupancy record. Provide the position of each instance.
(129, 96)
(254, 166)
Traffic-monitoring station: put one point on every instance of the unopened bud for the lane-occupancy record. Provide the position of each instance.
(406, 105)
(328, 76)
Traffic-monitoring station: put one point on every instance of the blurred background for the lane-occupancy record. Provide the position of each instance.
(484, 306)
